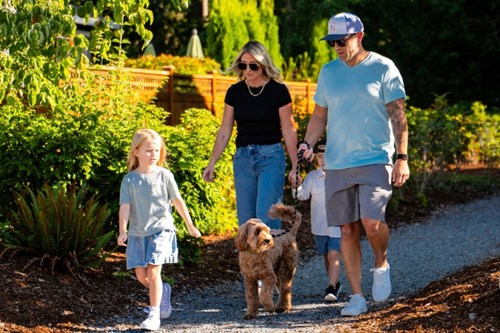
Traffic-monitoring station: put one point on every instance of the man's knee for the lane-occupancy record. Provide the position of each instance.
(375, 228)
(349, 232)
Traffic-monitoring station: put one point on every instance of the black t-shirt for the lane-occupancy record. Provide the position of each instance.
(257, 117)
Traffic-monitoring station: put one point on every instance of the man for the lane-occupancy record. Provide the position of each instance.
(360, 102)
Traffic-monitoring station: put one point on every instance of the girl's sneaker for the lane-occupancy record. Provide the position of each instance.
(152, 322)
(166, 304)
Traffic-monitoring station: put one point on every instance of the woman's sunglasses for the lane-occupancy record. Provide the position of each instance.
(340, 42)
(243, 66)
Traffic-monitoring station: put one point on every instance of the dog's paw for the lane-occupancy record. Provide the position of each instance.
(281, 309)
(269, 308)
(249, 316)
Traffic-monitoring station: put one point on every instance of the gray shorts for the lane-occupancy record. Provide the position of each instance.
(157, 249)
(356, 193)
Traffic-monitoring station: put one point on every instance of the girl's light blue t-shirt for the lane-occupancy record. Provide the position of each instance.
(149, 196)
(359, 131)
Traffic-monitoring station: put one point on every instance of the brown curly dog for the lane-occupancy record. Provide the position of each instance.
(271, 259)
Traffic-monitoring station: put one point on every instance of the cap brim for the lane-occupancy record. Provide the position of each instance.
(334, 37)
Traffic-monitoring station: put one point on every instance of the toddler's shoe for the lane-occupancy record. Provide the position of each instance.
(332, 293)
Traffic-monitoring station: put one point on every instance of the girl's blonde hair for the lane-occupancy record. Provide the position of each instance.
(259, 52)
(138, 139)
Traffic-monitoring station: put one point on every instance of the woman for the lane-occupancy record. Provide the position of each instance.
(261, 106)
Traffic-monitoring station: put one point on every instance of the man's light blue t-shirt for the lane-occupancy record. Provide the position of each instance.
(149, 196)
(359, 131)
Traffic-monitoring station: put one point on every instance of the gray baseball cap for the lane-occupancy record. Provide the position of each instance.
(343, 24)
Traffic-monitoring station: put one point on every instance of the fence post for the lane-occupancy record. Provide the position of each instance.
(171, 89)
(214, 93)
(308, 94)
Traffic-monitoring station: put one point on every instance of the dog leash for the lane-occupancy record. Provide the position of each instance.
(301, 162)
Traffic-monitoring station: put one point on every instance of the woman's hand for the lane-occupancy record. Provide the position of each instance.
(294, 178)
(209, 174)
(305, 151)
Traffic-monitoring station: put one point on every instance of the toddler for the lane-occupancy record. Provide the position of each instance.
(327, 239)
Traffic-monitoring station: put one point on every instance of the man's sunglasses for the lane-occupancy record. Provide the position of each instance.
(243, 66)
(340, 42)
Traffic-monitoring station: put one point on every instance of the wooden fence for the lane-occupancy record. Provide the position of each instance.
(177, 92)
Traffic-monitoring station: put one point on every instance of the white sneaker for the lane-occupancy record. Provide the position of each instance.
(152, 322)
(356, 306)
(381, 289)
(166, 304)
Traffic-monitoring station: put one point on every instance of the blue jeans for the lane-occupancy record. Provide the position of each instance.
(259, 178)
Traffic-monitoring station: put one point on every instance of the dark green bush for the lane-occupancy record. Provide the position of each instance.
(60, 226)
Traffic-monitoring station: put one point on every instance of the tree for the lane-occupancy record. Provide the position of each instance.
(440, 46)
(112, 17)
(301, 27)
(229, 29)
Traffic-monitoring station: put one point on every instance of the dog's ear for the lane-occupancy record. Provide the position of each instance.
(241, 238)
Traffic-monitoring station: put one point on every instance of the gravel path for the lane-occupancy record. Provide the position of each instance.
(419, 254)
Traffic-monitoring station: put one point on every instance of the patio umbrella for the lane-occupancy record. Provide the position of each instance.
(149, 50)
(194, 48)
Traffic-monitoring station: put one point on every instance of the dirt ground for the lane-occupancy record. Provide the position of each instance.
(34, 300)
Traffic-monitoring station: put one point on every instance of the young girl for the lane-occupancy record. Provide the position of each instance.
(146, 195)
(327, 238)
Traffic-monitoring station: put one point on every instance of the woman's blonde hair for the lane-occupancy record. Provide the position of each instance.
(138, 139)
(259, 52)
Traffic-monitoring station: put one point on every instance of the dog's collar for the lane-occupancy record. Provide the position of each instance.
(280, 234)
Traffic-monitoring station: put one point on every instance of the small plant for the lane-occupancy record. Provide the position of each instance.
(122, 275)
(60, 226)
(167, 279)
(190, 250)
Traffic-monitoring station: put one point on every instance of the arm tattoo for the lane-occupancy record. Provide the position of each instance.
(396, 110)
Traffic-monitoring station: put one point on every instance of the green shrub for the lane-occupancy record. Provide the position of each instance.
(183, 65)
(444, 135)
(60, 226)
(454, 182)
(85, 138)
(212, 205)
(484, 144)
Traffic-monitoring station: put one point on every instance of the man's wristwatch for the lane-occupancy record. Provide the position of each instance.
(402, 157)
